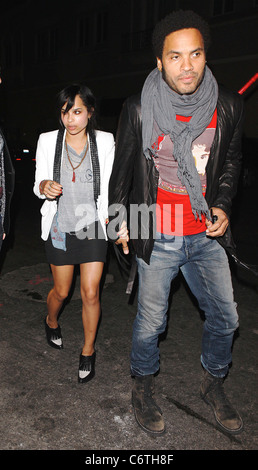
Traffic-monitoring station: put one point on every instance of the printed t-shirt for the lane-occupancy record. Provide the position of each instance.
(174, 214)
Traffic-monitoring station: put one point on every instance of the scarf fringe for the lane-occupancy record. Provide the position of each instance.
(161, 104)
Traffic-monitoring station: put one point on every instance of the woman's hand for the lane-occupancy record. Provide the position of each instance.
(50, 189)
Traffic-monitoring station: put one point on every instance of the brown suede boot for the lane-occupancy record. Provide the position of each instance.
(147, 412)
(214, 395)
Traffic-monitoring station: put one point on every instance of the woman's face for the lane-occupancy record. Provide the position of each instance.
(76, 119)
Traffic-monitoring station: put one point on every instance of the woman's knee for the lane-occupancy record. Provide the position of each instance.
(90, 294)
(60, 293)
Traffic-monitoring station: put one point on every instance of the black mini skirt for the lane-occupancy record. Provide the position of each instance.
(78, 249)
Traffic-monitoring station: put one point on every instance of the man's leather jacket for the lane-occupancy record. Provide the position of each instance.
(9, 176)
(134, 178)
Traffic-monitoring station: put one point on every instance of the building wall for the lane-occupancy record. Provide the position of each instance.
(46, 45)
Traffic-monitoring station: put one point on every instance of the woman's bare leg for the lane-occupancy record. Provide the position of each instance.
(62, 276)
(90, 279)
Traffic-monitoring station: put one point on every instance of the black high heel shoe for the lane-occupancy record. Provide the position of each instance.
(86, 368)
(54, 337)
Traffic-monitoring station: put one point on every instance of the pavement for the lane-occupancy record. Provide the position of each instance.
(43, 408)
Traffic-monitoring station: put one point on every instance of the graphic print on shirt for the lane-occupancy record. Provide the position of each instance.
(171, 191)
(77, 208)
(87, 176)
(167, 165)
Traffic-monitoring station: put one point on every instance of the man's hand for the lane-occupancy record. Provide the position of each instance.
(220, 226)
(123, 238)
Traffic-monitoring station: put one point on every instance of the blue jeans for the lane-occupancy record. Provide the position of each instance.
(204, 265)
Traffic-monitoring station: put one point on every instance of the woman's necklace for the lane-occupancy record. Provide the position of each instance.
(75, 167)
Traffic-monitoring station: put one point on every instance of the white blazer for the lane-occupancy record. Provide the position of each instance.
(45, 155)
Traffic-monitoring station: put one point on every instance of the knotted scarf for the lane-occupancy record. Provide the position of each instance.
(161, 104)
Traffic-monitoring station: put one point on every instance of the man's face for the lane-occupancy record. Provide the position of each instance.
(183, 60)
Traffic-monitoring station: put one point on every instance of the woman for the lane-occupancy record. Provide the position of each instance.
(73, 166)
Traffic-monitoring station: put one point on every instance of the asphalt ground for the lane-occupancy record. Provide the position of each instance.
(43, 408)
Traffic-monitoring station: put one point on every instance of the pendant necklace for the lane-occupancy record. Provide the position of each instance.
(75, 167)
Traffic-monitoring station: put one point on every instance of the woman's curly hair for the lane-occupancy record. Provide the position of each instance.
(175, 21)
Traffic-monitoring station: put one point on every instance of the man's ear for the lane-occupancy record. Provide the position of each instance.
(159, 64)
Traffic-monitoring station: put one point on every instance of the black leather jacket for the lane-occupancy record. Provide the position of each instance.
(9, 185)
(134, 179)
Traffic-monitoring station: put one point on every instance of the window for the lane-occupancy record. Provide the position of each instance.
(140, 40)
(162, 9)
(83, 32)
(101, 27)
(220, 7)
(13, 51)
(41, 46)
(53, 44)
(46, 45)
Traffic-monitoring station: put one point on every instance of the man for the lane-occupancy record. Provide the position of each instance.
(6, 186)
(181, 110)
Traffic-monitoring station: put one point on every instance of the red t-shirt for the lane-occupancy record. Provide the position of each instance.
(174, 213)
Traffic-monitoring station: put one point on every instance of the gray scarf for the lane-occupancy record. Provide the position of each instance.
(161, 104)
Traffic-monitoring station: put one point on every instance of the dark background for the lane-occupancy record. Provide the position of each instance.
(46, 45)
